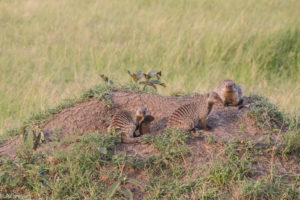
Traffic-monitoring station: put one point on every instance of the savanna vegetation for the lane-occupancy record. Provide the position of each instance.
(94, 165)
(54, 50)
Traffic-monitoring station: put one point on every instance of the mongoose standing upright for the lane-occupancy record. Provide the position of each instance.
(230, 92)
(128, 127)
(188, 116)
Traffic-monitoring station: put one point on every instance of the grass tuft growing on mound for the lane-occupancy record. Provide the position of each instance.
(290, 143)
(235, 167)
(172, 147)
(268, 116)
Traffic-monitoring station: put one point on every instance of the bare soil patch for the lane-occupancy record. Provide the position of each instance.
(94, 115)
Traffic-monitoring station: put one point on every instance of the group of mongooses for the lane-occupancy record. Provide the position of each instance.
(184, 118)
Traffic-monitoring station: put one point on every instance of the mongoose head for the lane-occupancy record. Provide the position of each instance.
(214, 98)
(229, 85)
(140, 113)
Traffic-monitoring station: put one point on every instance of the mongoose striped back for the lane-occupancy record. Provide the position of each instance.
(187, 116)
(122, 122)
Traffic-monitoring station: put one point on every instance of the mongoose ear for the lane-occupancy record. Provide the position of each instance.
(148, 118)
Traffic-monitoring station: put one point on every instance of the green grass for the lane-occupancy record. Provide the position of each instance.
(67, 174)
(267, 115)
(52, 50)
(266, 189)
(89, 167)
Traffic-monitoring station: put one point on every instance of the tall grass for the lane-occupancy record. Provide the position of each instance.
(51, 50)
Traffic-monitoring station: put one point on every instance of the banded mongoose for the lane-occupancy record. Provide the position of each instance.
(188, 116)
(144, 126)
(230, 92)
(126, 125)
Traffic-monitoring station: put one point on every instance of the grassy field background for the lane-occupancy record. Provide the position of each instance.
(51, 50)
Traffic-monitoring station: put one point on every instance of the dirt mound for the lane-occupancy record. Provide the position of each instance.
(95, 115)
(227, 124)
(8, 149)
(88, 116)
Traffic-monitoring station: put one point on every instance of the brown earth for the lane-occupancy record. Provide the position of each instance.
(94, 116)
(226, 123)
